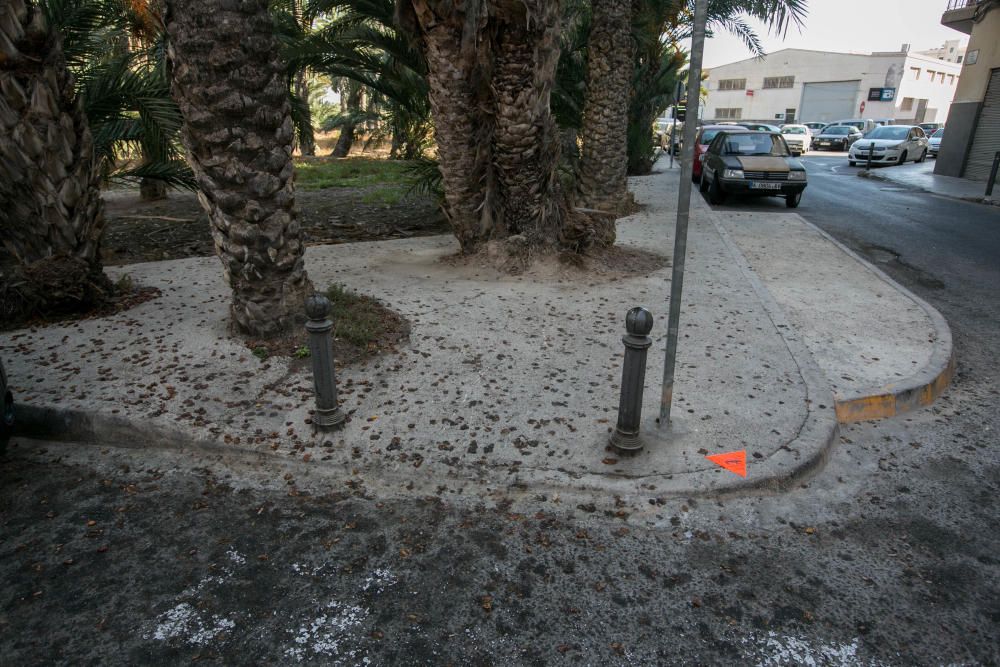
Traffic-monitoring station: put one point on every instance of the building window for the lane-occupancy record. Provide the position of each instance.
(916, 72)
(951, 79)
(959, 59)
(931, 73)
(732, 84)
(907, 104)
(728, 113)
(779, 81)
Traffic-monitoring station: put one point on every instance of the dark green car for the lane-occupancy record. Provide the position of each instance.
(751, 164)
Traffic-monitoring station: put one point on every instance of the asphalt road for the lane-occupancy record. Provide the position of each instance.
(888, 556)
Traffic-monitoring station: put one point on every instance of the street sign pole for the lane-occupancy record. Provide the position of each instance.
(683, 209)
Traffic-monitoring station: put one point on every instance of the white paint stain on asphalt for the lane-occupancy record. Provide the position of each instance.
(777, 650)
(183, 622)
(328, 635)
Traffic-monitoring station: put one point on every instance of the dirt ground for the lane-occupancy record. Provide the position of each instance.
(176, 227)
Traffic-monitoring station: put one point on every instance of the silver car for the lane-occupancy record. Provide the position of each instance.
(934, 143)
(890, 144)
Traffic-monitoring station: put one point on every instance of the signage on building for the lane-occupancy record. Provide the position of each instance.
(861, 109)
(749, 92)
(881, 94)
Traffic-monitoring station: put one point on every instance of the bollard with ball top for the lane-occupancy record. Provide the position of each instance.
(638, 324)
(328, 414)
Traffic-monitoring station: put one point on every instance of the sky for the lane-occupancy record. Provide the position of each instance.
(858, 26)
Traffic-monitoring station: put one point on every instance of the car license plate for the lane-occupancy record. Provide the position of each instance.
(824, 143)
(754, 185)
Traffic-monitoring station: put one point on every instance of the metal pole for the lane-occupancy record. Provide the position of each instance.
(993, 174)
(871, 151)
(683, 209)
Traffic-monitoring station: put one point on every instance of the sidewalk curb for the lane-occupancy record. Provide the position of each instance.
(915, 188)
(45, 422)
(916, 391)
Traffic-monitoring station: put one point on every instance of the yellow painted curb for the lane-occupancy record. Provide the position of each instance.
(892, 403)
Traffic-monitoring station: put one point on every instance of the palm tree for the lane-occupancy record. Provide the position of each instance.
(602, 175)
(380, 76)
(50, 205)
(492, 68)
(656, 28)
(232, 89)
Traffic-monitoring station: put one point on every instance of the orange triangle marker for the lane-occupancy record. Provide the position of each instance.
(735, 462)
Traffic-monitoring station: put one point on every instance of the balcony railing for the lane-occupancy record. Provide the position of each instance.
(961, 4)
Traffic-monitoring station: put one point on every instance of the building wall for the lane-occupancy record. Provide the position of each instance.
(953, 51)
(890, 70)
(969, 95)
(918, 83)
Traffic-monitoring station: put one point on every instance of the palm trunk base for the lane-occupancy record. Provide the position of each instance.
(59, 285)
(344, 142)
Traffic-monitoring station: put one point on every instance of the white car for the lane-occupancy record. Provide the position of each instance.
(934, 143)
(893, 144)
(798, 138)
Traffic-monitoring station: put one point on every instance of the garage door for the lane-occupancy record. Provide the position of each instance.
(986, 141)
(829, 101)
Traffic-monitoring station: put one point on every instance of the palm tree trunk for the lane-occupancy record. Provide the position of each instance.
(526, 140)
(307, 146)
(352, 103)
(233, 93)
(462, 131)
(604, 160)
(491, 76)
(50, 204)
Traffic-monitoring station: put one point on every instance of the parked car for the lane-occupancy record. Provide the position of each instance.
(798, 138)
(815, 127)
(6, 410)
(894, 144)
(836, 137)
(760, 127)
(866, 125)
(751, 163)
(705, 135)
(661, 132)
(930, 128)
(885, 121)
(934, 142)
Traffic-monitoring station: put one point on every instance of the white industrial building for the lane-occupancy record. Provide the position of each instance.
(799, 85)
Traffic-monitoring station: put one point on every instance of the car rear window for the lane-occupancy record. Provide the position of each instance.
(755, 144)
(708, 135)
(840, 129)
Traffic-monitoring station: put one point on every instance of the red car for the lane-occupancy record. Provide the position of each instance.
(701, 141)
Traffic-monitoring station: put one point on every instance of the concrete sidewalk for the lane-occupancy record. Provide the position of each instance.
(921, 176)
(511, 383)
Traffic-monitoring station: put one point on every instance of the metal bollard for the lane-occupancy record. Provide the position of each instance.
(328, 414)
(871, 151)
(993, 175)
(638, 324)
